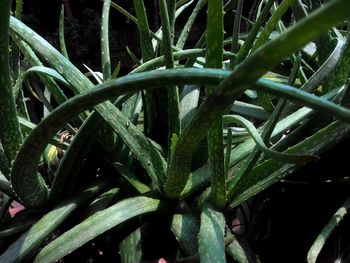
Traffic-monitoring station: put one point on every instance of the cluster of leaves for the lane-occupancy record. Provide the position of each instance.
(164, 138)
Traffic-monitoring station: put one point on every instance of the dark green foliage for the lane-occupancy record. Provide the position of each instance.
(121, 148)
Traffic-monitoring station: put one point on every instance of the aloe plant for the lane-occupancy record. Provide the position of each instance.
(113, 169)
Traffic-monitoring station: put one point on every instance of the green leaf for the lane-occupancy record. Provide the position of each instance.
(214, 56)
(95, 225)
(327, 231)
(340, 74)
(105, 57)
(325, 69)
(211, 236)
(228, 151)
(5, 186)
(300, 159)
(173, 144)
(196, 180)
(249, 41)
(130, 248)
(148, 53)
(185, 228)
(10, 132)
(250, 110)
(18, 224)
(270, 171)
(29, 241)
(73, 156)
(29, 185)
(133, 57)
(28, 157)
(101, 202)
(271, 24)
(116, 70)
(238, 250)
(98, 76)
(55, 90)
(263, 37)
(189, 103)
(236, 30)
(256, 65)
(61, 34)
(132, 179)
(167, 21)
(4, 164)
(48, 72)
(131, 136)
(124, 12)
(269, 127)
(187, 27)
(178, 55)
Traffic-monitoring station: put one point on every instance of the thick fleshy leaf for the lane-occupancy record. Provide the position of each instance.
(214, 56)
(10, 132)
(96, 225)
(211, 236)
(185, 228)
(30, 240)
(135, 140)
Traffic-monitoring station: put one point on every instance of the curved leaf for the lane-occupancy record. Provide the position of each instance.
(131, 136)
(270, 171)
(293, 158)
(95, 225)
(26, 163)
(25, 166)
(30, 240)
(55, 90)
(248, 72)
(48, 72)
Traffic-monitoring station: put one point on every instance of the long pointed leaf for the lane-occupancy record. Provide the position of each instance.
(28, 157)
(61, 34)
(214, 56)
(10, 132)
(96, 225)
(30, 240)
(264, 59)
(128, 132)
(326, 232)
(271, 171)
(105, 57)
(300, 159)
